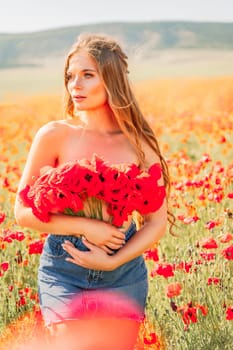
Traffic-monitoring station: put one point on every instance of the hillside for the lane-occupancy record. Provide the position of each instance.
(141, 39)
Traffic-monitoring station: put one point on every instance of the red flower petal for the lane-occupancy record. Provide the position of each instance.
(209, 243)
(228, 253)
(229, 313)
(173, 289)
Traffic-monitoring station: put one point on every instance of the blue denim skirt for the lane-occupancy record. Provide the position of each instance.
(60, 282)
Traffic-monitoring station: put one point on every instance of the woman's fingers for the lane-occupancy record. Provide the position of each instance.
(114, 246)
(70, 248)
(97, 258)
(108, 247)
(119, 235)
(117, 241)
(107, 250)
(68, 243)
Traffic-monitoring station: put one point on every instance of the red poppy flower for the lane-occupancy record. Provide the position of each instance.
(173, 289)
(190, 219)
(34, 198)
(79, 187)
(211, 224)
(19, 236)
(229, 313)
(155, 171)
(189, 313)
(148, 197)
(10, 288)
(21, 301)
(132, 171)
(36, 247)
(225, 238)
(165, 270)
(228, 253)
(150, 339)
(208, 256)
(115, 188)
(7, 239)
(119, 214)
(203, 308)
(5, 266)
(6, 182)
(213, 280)
(184, 265)
(209, 243)
(2, 216)
(202, 197)
(222, 139)
(151, 254)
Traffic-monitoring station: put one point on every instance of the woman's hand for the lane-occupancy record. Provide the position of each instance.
(104, 235)
(95, 259)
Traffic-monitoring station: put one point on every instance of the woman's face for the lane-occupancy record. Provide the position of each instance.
(84, 83)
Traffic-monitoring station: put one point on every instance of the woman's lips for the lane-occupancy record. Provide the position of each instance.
(78, 98)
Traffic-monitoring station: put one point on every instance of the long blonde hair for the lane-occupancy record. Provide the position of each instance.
(113, 68)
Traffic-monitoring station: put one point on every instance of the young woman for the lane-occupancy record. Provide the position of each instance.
(103, 118)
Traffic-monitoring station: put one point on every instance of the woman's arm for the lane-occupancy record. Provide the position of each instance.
(153, 229)
(45, 152)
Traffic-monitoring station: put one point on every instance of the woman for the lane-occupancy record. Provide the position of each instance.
(103, 118)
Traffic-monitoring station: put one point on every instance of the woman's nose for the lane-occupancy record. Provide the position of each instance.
(77, 83)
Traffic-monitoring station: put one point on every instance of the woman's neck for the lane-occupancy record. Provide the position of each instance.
(101, 121)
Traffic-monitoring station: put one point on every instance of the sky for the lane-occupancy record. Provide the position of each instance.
(31, 15)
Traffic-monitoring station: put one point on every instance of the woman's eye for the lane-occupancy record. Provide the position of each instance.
(88, 75)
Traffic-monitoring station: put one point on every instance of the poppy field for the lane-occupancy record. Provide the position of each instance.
(190, 303)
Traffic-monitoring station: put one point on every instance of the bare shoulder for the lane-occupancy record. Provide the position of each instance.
(48, 141)
(52, 128)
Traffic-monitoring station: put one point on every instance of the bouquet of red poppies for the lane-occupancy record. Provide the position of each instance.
(81, 187)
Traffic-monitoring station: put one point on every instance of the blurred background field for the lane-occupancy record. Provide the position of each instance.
(32, 63)
(48, 78)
